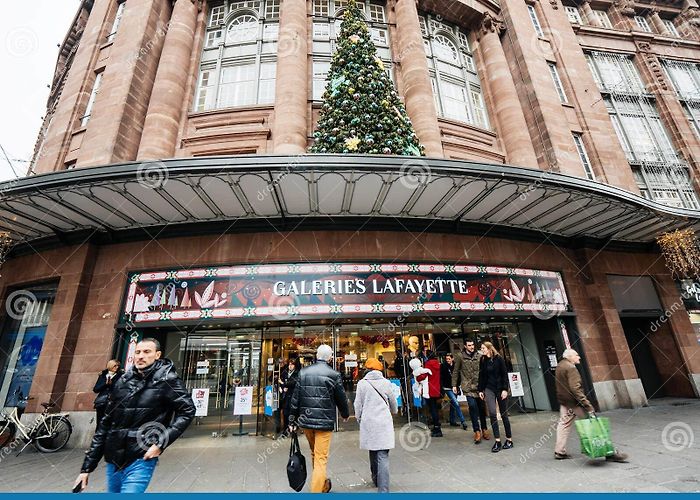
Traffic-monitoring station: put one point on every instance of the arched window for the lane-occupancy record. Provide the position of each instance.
(241, 29)
(445, 49)
(456, 85)
(239, 59)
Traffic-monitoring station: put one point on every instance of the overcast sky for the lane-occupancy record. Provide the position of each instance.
(29, 34)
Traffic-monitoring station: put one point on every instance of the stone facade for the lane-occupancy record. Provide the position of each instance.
(143, 112)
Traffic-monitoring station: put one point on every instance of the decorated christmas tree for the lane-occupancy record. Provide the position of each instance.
(361, 110)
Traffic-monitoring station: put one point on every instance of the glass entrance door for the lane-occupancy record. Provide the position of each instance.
(352, 344)
(221, 372)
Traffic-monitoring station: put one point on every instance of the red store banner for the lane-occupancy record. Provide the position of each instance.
(296, 290)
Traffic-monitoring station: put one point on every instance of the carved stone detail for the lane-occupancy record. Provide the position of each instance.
(652, 62)
(490, 24)
(625, 7)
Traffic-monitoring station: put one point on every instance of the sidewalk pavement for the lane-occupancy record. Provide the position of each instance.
(662, 441)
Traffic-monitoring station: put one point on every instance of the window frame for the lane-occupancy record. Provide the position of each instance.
(671, 27)
(94, 92)
(535, 20)
(583, 155)
(558, 84)
(447, 76)
(262, 17)
(573, 14)
(642, 23)
(117, 21)
(603, 18)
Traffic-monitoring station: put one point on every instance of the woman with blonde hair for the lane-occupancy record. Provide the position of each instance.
(493, 388)
(103, 388)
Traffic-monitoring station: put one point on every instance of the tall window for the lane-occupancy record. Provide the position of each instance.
(583, 155)
(91, 101)
(239, 59)
(573, 14)
(327, 18)
(535, 21)
(557, 81)
(660, 173)
(685, 77)
(670, 27)
(642, 23)
(603, 18)
(456, 86)
(117, 21)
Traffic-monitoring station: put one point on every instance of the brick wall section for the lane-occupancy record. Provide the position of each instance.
(584, 274)
(588, 114)
(75, 93)
(72, 268)
(114, 131)
(548, 126)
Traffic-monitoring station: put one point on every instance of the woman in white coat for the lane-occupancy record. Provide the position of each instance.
(375, 402)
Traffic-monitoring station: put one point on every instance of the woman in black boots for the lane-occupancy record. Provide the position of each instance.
(493, 388)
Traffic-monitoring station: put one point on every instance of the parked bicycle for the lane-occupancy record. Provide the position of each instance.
(49, 432)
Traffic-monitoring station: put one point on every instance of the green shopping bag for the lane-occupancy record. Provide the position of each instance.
(595, 437)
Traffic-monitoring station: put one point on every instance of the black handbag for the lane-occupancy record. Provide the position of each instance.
(296, 466)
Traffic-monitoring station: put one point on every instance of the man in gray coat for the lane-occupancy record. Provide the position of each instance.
(375, 402)
(465, 374)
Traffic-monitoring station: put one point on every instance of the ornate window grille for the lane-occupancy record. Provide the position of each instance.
(660, 173)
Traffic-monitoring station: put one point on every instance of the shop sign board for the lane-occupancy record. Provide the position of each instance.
(291, 290)
(516, 384)
(200, 397)
(202, 367)
(243, 400)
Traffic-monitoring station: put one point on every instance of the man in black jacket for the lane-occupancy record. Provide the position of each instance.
(148, 410)
(319, 391)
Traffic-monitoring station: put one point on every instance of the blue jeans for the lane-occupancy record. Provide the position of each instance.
(455, 410)
(133, 478)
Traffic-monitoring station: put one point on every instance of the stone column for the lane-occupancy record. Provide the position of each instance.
(163, 118)
(512, 126)
(418, 92)
(656, 21)
(289, 129)
(589, 15)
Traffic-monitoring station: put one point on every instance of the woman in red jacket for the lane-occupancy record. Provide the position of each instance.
(434, 391)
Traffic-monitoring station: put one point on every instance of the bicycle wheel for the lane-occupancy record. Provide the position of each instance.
(7, 433)
(53, 434)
